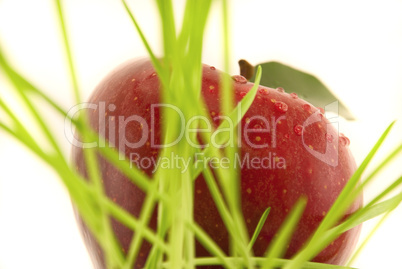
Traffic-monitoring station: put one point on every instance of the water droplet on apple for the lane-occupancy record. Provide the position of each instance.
(212, 68)
(322, 112)
(280, 89)
(281, 106)
(112, 107)
(329, 137)
(294, 95)
(298, 129)
(239, 79)
(215, 116)
(242, 94)
(263, 91)
(307, 107)
(344, 140)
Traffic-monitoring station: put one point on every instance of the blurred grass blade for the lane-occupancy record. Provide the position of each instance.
(27, 102)
(380, 167)
(25, 140)
(235, 117)
(209, 244)
(74, 182)
(344, 200)
(240, 110)
(368, 237)
(111, 154)
(363, 215)
(25, 85)
(277, 247)
(357, 218)
(389, 189)
(347, 195)
(151, 54)
(145, 216)
(67, 48)
(18, 129)
(112, 251)
(173, 243)
(223, 210)
(129, 221)
(257, 230)
(373, 209)
(367, 213)
(168, 28)
(259, 261)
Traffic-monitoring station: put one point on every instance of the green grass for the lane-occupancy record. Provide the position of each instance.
(179, 70)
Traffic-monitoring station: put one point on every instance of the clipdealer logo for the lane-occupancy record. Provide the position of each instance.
(219, 138)
(176, 161)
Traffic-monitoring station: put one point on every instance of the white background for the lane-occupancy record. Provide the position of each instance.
(354, 47)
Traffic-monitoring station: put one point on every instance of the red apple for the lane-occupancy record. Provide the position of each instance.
(288, 149)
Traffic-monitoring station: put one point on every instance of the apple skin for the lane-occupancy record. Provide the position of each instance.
(134, 86)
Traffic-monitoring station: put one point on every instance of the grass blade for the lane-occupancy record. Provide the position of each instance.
(346, 197)
(277, 247)
(259, 261)
(151, 54)
(112, 252)
(67, 48)
(364, 243)
(367, 213)
(257, 230)
(210, 244)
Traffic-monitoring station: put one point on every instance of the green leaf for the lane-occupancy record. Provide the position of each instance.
(305, 85)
